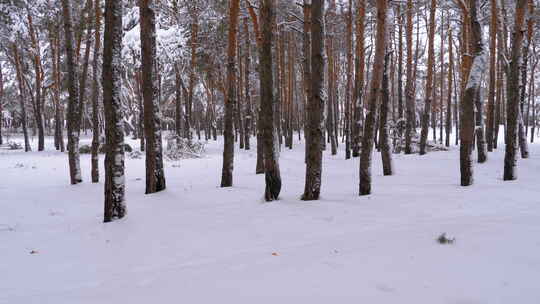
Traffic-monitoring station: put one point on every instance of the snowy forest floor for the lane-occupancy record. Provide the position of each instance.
(198, 243)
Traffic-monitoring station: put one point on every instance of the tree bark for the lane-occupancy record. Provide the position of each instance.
(95, 93)
(228, 134)
(374, 92)
(384, 140)
(409, 86)
(155, 176)
(271, 156)
(74, 117)
(115, 206)
(470, 95)
(429, 81)
(513, 93)
(315, 105)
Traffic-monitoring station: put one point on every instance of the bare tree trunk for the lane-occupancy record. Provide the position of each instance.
(450, 86)
(38, 71)
(471, 94)
(512, 91)
(384, 140)
(1, 102)
(375, 89)
(409, 87)
(74, 117)
(306, 65)
(115, 206)
(315, 105)
(155, 176)
(17, 63)
(492, 76)
(271, 156)
(95, 93)
(247, 75)
(429, 81)
(359, 78)
(228, 134)
(348, 108)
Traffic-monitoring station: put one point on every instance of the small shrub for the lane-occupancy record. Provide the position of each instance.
(135, 155)
(12, 145)
(85, 149)
(103, 148)
(179, 148)
(444, 240)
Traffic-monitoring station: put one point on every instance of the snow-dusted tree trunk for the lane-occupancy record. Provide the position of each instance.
(73, 123)
(384, 140)
(95, 93)
(1, 102)
(155, 176)
(39, 74)
(315, 104)
(373, 95)
(271, 157)
(471, 93)
(512, 91)
(409, 86)
(429, 81)
(228, 134)
(492, 75)
(247, 75)
(115, 207)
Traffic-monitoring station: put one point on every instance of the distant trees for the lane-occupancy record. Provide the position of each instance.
(196, 72)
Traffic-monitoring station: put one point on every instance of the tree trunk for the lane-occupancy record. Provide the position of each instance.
(271, 157)
(512, 91)
(384, 140)
(17, 63)
(315, 105)
(155, 176)
(450, 86)
(228, 134)
(247, 74)
(492, 75)
(74, 117)
(470, 95)
(95, 91)
(429, 81)
(38, 71)
(375, 90)
(409, 86)
(115, 206)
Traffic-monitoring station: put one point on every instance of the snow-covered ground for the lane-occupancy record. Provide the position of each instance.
(198, 243)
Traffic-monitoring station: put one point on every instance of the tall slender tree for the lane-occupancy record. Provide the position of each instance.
(228, 134)
(430, 78)
(512, 91)
(373, 95)
(95, 93)
(315, 105)
(471, 92)
(74, 117)
(271, 156)
(155, 176)
(115, 206)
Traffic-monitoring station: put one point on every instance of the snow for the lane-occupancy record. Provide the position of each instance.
(199, 243)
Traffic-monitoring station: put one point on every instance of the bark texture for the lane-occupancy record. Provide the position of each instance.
(115, 206)
(155, 176)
